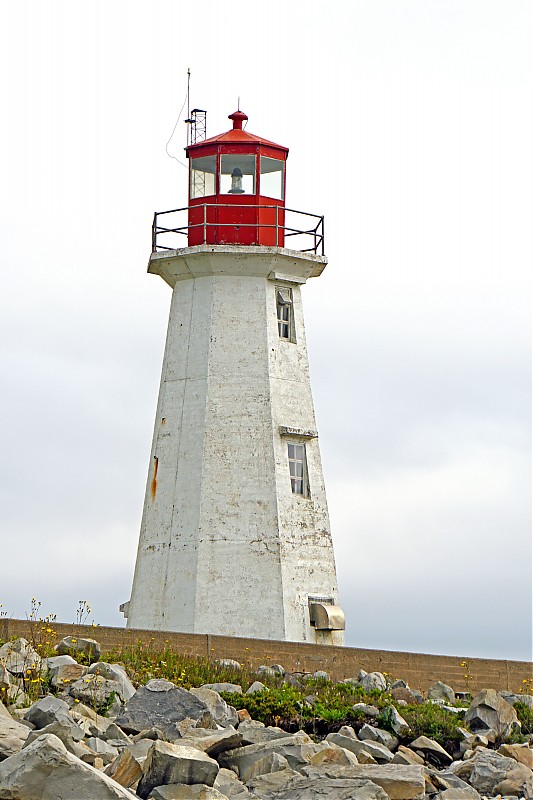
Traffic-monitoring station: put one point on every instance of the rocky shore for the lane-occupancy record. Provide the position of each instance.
(163, 742)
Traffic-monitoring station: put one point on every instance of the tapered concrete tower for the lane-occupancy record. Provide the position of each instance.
(235, 536)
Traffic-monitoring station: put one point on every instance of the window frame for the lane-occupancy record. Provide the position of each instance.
(293, 462)
(285, 300)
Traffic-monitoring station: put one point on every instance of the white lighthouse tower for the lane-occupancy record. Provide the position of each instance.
(235, 536)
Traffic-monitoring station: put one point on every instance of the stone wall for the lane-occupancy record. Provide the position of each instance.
(420, 670)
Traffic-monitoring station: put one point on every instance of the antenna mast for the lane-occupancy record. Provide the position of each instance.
(196, 119)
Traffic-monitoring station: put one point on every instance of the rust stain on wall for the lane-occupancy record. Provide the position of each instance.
(153, 485)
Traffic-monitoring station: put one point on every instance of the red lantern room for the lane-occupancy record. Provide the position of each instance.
(236, 189)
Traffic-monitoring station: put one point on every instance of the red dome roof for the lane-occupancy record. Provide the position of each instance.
(236, 136)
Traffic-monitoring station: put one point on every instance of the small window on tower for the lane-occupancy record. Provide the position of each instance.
(285, 314)
(298, 469)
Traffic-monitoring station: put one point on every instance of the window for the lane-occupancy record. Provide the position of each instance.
(285, 314)
(272, 177)
(298, 469)
(237, 174)
(203, 172)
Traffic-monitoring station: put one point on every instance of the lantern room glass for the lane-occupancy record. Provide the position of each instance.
(237, 174)
(272, 178)
(203, 171)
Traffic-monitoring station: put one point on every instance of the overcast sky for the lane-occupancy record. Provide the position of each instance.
(409, 124)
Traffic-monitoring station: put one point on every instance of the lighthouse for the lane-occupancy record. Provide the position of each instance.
(235, 536)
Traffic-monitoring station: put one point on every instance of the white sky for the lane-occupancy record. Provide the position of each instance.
(410, 125)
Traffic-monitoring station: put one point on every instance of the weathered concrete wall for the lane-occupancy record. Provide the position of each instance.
(420, 670)
(225, 545)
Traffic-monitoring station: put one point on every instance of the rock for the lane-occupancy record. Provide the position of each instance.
(46, 770)
(222, 713)
(91, 723)
(404, 755)
(374, 680)
(267, 672)
(520, 752)
(458, 794)
(256, 686)
(298, 749)
(255, 732)
(66, 731)
(334, 754)
(213, 742)
(368, 711)
(399, 684)
(161, 704)
(64, 670)
(361, 674)
(347, 730)
(492, 774)
(48, 709)
(170, 763)
(89, 648)
(397, 722)
(228, 662)
(369, 732)
(431, 750)
(290, 785)
(349, 743)
(125, 769)
(103, 749)
(397, 781)
(4, 712)
(292, 680)
(180, 791)
(473, 741)
(114, 733)
(261, 764)
(231, 688)
(243, 715)
(379, 752)
(94, 690)
(230, 786)
(13, 734)
(441, 691)
(116, 673)
(403, 694)
(320, 675)
(489, 711)
(19, 658)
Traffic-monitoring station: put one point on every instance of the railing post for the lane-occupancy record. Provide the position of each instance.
(153, 232)
(277, 226)
(205, 223)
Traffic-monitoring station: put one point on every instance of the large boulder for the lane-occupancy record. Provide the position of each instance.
(88, 648)
(46, 710)
(19, 658)
(373, 680)
(492, 774)
(297, 749)
(489, 711)
(117, 674)
(222, 713)
(441, 691)
(397, 781)
(378, 735)
(13, 734)
(255, 732)
(63, 670)
(315, 785)
(431, 750)
(180, 791)
(170, 763)
(212, 742)
(46, 771)
(94, 690)
(162, 705)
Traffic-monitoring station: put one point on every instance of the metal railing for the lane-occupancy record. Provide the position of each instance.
(311, 239)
